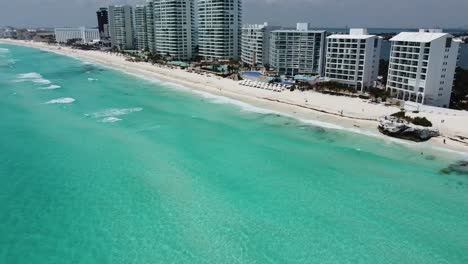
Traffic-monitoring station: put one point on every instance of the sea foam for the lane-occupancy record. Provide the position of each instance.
(33, 77)
(51, 87)
(41, 81)
(111, 120)
(61, 101)
(4, 50)
(113, 112)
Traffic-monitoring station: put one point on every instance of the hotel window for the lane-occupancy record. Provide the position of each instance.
(448, 43)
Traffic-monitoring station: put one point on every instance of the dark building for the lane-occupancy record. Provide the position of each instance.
(103, 23)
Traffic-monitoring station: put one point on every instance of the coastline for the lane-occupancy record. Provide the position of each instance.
(359, 115)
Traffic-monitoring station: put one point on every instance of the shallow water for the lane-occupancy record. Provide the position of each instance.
(123, 170)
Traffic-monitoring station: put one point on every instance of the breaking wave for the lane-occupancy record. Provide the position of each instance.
(113, 112)
(111, 120)
(51, 87)
(33, 77)
(41, 81)
(61, 101)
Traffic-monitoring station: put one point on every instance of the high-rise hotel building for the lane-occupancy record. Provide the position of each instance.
(174, 28)
(353, 59)
(141, 30)
(255, 46)
(149, 6)
(103, 22)
(422, 67)
(121, 26)
(219, 29)
(300, 51)
(144, 29)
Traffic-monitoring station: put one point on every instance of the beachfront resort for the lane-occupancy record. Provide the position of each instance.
(208, 38)
(177, 131)
(203, 36)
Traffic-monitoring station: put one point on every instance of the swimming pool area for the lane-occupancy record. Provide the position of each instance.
(252, 74)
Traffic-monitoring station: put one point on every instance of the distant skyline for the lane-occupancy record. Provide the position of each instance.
(320, 13)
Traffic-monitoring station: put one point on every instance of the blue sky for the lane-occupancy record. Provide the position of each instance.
(320, 13)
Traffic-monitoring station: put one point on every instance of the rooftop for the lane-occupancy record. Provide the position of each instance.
(423, 37)
(299, 31)
(346, 36)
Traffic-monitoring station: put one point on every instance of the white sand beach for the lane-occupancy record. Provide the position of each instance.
(358, 115)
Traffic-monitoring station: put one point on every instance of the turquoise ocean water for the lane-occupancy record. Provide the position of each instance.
(109, 168)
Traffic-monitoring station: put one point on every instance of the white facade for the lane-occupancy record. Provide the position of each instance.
(141, 34)
(86, 35)
(353, 59)
(150, 25)
(422, 67)
(255, 46)
(298, 52)
(219, 29)
(121, 26)
(174, 26)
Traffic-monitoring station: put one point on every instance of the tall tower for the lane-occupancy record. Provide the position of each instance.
(121, 26)
(150, 25)
(141, 31)
(103, 22)
(174, 26)
(219, 29)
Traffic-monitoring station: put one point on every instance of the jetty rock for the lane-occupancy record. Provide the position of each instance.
(398, 128)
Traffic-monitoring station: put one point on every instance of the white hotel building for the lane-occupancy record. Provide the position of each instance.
(149, 6)
(174, 28)
(86, 35)
(353, 59)
(121, 26)
(298, 52)
(219, 29)
(255, 46)
(422, 67)
(141, 32)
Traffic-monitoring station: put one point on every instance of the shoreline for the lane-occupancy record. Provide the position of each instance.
(359, 115)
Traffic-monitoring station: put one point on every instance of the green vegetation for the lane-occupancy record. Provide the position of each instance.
(379, 93)
(459, 98)
(327, 87)
(419, 121)
(422, 121)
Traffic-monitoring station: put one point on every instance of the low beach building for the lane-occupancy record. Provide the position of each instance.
(121, 26)
(298, 52)
(422, 67)
(255, 46)
(82, 34)
(353, 59)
